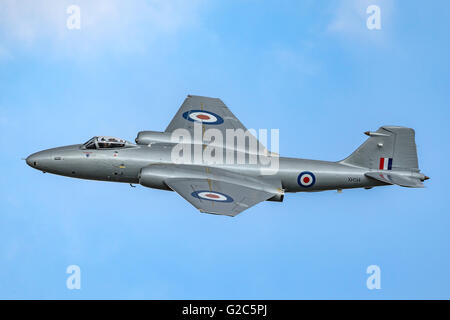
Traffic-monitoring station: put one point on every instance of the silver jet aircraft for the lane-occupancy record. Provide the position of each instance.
(220, 184)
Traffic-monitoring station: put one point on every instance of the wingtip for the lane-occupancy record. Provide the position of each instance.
(204, 97)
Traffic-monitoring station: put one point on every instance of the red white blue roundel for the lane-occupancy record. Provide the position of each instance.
(306, 179)
(205, 117)
(211, 196)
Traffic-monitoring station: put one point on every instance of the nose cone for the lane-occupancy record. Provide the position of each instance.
(39, 160)
(55, 160)
(30, 159)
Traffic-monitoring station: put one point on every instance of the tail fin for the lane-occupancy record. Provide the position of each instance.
(389, 148)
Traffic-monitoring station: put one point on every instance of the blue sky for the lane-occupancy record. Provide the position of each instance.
(311, 69)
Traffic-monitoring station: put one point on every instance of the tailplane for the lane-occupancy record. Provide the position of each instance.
(403, 179)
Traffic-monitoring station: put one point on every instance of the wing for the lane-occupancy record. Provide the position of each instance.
(218, 197)
(210, 112)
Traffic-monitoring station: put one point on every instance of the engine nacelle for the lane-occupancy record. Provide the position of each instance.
(148, 137)
(153, 177)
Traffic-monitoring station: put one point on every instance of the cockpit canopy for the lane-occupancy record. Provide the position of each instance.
(103, 142)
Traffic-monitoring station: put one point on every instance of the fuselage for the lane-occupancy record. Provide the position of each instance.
(124, 165)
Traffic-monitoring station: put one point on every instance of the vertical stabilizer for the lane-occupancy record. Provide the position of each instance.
(389, 148)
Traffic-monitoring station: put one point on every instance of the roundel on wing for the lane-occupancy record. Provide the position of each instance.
(205, 117)
(211, 196)
(306, 179)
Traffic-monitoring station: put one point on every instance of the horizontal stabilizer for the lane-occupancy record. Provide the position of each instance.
(396, 178)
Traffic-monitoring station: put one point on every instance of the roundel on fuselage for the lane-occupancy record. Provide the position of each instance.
(306, 179)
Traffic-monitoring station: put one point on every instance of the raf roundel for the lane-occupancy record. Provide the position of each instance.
(211, 196)
(306, 179)
(205, 117)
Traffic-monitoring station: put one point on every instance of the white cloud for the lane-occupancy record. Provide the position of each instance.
(349, 19)
(105, 24)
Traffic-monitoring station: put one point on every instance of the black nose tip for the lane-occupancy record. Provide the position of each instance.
(30, 161)
(33, 160)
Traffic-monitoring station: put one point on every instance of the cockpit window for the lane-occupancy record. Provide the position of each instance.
(90, 144)
(110, 142)
(104, 143)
